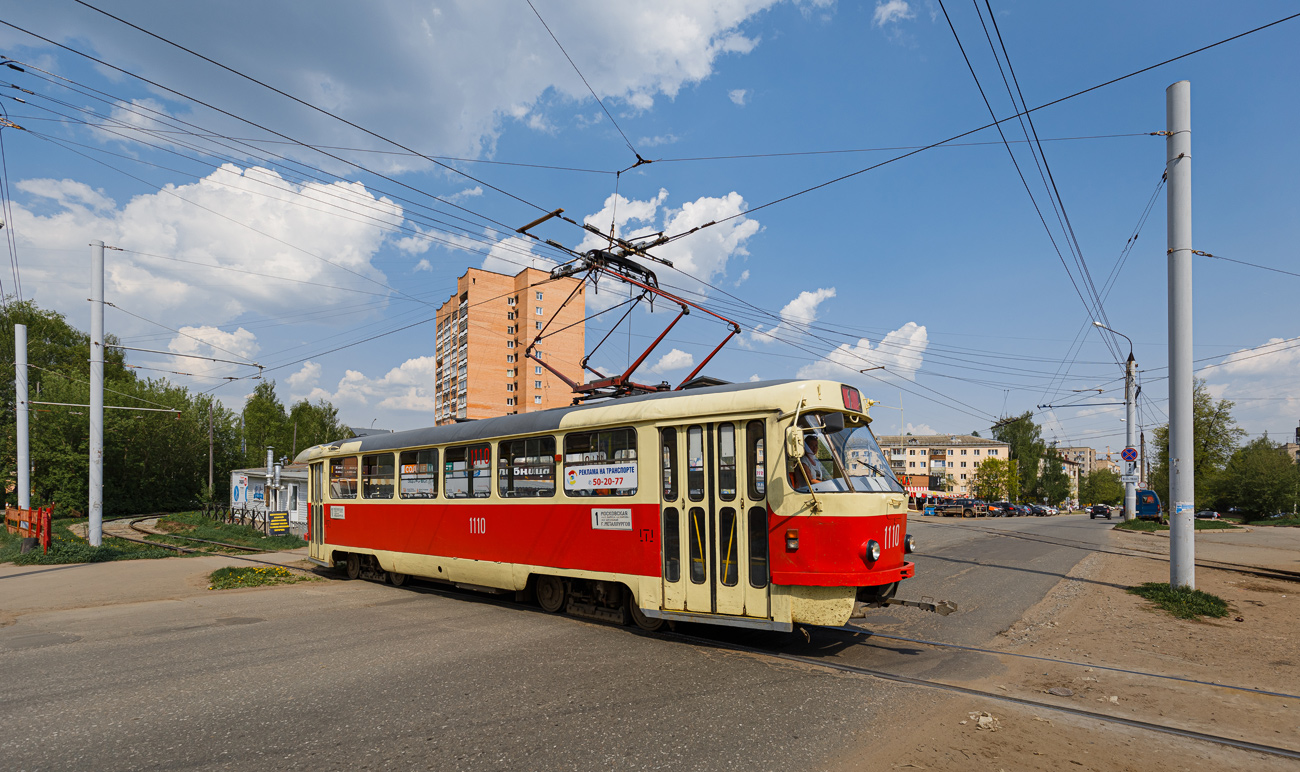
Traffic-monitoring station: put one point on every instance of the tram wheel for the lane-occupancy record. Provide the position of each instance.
(354, 565)
(550, 593)
(640, 619)
(396, 579)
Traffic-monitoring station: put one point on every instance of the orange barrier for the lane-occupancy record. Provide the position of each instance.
(30, 523)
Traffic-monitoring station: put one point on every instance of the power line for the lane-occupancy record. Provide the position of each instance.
(1243, 262)
(923, 148)
(639, 159)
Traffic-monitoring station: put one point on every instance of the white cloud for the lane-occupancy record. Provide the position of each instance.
(892, 11)
(900, 352)
(304, 381)
(673, 360)
(502, 59)
(744, 277)
(1261, 380)
(405, 392)
(207, 341)
(795, 317)
(738, 96)
(247, 219)
(514, 254)
(473, 192)
(919, 429)
(662, 139)
(423, 265)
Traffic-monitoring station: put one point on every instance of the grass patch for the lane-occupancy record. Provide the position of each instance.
(1152, 525)
(196, 525)
(230, 578)
(65, 547)
(1290, 520)
(1182, 602)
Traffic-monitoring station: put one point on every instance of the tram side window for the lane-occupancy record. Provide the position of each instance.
(727, 461)
(601, 463)
(419, 474)
(343, 478)
(695, 463)
(526, 468)
(696, 546)
(468, 472)
(755, 446)
(757, 547)
(377, 476)
(672, 546)
(668, 438)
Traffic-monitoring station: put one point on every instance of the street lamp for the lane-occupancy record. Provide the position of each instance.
(1130, 421)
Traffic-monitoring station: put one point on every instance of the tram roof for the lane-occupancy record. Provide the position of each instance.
(540, 421)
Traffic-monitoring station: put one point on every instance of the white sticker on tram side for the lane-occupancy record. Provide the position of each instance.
(611, 519)
(585, 478)
(336, 512)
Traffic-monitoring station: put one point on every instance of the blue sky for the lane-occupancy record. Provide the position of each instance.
(935, 266)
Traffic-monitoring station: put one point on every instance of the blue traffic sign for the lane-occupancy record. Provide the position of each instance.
(1129, 454)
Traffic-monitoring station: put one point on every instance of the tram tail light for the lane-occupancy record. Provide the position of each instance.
(792, 540)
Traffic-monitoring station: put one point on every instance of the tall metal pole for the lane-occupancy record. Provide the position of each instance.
(210, 481)
(20, 388)
(1182, 474)
(95, 533)
(1130, 422)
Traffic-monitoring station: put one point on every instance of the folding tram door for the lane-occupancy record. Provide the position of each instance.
(315, 510)
(713, 505)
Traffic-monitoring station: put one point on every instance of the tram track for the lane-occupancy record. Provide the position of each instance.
(424, 587)
(135, 519)
(1128, 552)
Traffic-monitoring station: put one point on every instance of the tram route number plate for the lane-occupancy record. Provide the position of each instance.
(336, 512)
(611, 519)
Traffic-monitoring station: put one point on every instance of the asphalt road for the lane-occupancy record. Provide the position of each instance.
(354, 675)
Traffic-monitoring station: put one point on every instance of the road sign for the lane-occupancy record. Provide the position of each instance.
(1128, 478)
(1129, 454)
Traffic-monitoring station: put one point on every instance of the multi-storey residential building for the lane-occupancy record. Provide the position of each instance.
(947, 460)
(483, 331)
(1086, 458)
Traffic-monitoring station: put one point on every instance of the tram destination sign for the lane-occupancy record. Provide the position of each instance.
(611, 519)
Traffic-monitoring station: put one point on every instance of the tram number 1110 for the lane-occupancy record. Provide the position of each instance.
(893, 536)
(478, 525)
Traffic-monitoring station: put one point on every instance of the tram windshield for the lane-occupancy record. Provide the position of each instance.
(843, 461)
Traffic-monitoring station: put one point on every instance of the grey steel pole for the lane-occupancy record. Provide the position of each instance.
(210, 480)
(20, 387)
(1182, 473)
(95, 532)
(1130, 420)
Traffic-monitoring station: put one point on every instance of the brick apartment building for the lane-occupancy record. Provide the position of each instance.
(483, 331)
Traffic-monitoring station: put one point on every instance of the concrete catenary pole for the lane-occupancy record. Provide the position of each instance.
(95, 532)
(20, 390)
(1182, 473)
(1130, 424)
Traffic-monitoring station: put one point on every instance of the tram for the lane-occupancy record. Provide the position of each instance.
(728, 504)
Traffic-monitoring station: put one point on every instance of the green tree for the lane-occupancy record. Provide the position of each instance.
(312, 423)
(1259, 480)
(1053, 482)
(1027, 446)
(1214, 439)
(990, 480)
(1100, 487)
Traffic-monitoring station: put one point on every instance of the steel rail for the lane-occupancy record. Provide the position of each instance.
(1130, 552)
(1006, 698)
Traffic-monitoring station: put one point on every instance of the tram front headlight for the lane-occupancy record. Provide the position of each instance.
(872, 551)
(909, 543)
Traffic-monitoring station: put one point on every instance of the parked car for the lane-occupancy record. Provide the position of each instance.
(1038, 510)
(1207, 514)
(1097, 510)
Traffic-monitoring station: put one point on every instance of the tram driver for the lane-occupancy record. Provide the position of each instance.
(809, 470)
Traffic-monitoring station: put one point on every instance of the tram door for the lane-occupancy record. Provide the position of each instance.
(315, 509)
(714, 512)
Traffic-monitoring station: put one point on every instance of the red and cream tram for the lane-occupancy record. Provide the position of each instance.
(726, 504)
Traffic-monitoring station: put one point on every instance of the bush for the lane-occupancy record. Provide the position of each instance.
(1182, 602)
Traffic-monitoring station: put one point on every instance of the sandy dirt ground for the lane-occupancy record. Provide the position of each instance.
(1089, 619)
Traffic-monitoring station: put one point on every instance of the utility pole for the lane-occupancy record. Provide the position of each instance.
(210, 478)
(1182, 472)
(1142, 456)
(20, 387)
(95, 530)
(1130, 422)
